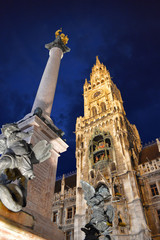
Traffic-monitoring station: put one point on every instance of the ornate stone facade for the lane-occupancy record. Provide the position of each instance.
(64, 205)
(108, 150)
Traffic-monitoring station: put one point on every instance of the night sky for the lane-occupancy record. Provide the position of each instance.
(124, 34)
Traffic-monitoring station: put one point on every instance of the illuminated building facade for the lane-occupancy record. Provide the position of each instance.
(109, 150)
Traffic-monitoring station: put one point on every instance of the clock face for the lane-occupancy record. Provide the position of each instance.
(96, 94)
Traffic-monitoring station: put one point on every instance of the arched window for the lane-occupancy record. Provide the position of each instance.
(94, 111)
(103, 107)
(121, 121)
(100, 149)
(78, 141)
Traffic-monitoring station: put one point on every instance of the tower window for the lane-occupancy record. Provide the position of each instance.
(158, 213)
(103, 107)
(55, 217)
(94, 111)
(108, 142)
(154, 189)
(69, 213)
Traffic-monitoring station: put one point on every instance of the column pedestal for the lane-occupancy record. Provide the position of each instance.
(41, 189)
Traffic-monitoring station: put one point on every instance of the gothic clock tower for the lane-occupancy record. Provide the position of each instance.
(107, 150)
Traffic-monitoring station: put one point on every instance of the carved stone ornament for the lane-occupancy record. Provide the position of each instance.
(16, 165)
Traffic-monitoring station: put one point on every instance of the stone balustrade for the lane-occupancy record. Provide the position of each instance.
(70, 221)
(149, 167)
(71, 192)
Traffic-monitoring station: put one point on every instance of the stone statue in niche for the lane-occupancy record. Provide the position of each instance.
(16, 165)
(102, 216)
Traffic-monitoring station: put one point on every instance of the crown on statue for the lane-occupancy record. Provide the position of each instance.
(64, 37)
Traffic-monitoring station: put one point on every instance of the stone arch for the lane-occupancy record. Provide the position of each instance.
(116, 124)
(103, 107)
(111, 120)
(94, 111)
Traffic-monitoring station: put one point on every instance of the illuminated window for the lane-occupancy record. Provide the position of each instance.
(55, 217)
(154, 189)
(100, 149)
(68, 235)
(69, 213)
(158, 213)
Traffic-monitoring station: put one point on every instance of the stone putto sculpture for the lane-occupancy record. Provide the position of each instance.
(102, 215)
(16, 165)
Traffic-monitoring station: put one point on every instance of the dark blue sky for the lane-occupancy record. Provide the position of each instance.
(124, 34)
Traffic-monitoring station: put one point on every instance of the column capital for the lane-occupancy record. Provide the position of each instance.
(58, 43)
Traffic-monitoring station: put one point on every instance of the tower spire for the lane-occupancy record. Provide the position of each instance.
(97, 61)
(46, 91)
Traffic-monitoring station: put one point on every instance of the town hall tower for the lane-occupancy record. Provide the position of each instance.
(107, 150)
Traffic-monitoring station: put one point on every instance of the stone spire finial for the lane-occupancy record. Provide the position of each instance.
(86, 83)
(98, 73)
(158, 144)
(97, 61)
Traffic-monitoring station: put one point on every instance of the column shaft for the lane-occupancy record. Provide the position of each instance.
(46, 91)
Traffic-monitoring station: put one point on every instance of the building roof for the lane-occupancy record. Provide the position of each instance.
(149, 153)
(70, 182)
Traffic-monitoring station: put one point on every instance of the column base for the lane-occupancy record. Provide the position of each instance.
(23, 226)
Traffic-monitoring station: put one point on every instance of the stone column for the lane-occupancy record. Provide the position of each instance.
(46, 91)
(41, 189)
